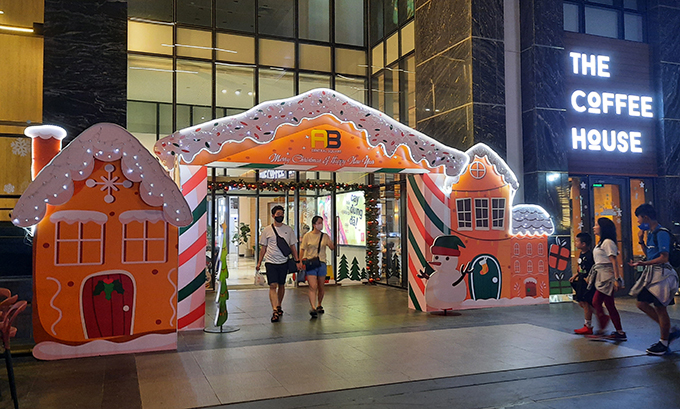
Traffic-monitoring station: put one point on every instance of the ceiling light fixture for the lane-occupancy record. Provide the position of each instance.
(20, 29)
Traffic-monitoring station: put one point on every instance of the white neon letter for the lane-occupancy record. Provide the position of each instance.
(607, 101)
(633, 105)
(620, 102)
(594, 140)
(574, 60)
(635, 142)
(594, 101)
(602, 66)
(577, 94)
(623, 141)
(587, 63)
(646, 103)
(609, 143)
(578, 138)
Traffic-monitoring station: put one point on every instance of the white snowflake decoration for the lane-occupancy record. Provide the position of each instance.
(21, 146)
(109, 183)
(9, 188)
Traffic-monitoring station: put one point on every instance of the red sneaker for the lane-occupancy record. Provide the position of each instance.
(584, 331)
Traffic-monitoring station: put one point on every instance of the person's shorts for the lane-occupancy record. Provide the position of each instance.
(649, 298)
(318, 272)
(581, 288)
(276, 273)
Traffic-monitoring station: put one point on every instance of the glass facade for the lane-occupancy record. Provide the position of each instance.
(622, 19)
(192, 61)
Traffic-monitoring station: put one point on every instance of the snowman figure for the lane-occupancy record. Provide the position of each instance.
(445, 283)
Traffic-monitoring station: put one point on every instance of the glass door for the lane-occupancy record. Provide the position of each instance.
(610, 198)
(391, 226)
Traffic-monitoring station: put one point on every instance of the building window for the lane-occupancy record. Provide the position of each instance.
(464, 208)
(78, 237)
(530, 267)
(498, 213)
(516, 249)
(144, 236)
(518, 268)
(482, 214)
(541, 266)
(530, 250)
(541, 250)
(607, 18)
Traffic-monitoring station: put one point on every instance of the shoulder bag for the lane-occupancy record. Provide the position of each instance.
(283, 246)
(314, 262)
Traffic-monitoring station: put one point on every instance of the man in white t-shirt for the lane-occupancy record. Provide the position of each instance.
(276, 261)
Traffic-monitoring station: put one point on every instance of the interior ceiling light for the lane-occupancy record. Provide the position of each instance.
(19, 29)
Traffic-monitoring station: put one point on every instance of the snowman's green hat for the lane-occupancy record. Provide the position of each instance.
(447, 246)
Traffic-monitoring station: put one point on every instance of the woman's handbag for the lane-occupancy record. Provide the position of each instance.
(286, 251)
(314, 262)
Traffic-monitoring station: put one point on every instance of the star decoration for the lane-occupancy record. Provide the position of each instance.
(642, 184)
(583, 185)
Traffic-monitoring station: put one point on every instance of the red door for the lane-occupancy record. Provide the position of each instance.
(108, 305)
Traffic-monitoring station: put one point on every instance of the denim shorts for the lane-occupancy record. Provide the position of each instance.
(318, 272)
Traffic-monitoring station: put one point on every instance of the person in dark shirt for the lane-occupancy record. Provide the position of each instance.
(579, 281)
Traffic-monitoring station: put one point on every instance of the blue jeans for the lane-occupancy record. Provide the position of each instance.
(318, 272)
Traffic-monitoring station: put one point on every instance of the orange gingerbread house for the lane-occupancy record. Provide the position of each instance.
(105, 248)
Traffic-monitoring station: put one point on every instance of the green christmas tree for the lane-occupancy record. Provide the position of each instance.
(354, 272)
(343, 268)
(384, 267)
(396, 268)
(222, 292)
(364, 274)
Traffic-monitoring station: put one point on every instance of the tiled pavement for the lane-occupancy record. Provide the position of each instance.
(367, 338)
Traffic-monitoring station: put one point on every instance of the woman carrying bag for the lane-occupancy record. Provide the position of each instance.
(313, 255)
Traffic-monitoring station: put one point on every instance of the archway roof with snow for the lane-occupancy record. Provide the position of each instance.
(108, 143)
(261, 123)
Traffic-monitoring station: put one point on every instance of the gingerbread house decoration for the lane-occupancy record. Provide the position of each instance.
(106, 217)
(506, 245)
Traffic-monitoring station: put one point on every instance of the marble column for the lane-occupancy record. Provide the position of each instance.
(663, 24)
(460, 79)
(546, 180)
(85, 70)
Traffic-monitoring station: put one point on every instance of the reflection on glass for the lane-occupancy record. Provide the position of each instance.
(235, 86)
(194, 83)
(349, 22)
(275, 84)
(276, 17)
(312, 81)
(160, 10)
(376, 20)
(602, 22)
(410, 91)
(314, 19)
(354, 88)
(640, 193)
(235, 15)
(196, 12)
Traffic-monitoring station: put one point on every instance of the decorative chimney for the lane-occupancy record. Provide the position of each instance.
(46, 145)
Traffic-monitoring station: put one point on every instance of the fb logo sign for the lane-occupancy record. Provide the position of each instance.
(327, 139)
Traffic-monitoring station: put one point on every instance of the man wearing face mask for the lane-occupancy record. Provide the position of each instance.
(273, 242)
(656, 286)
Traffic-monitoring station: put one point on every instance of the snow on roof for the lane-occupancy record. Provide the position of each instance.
(108, 143)
(260, 123)
(481, 150)
(531, 220)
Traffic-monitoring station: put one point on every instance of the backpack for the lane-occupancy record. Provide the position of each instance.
(674, 251)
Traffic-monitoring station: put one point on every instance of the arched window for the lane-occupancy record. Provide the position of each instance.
(541, 266)
(517, 267)
(530, 267)
(516, 249)
(529, 249)
(540, 249)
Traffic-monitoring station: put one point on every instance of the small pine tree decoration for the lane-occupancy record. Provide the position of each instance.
(343, 268)
(354, 272)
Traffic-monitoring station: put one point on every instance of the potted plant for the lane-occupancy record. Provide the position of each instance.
(241, 236)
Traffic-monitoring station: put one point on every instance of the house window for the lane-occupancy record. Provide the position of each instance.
(464, 208)
(624, 20)
(517, 267)
(482, 214)
(530, 250)
(145, 235)
(530, 267)
(516, 249)
(78, 237)
(541, 266)
(498, 213)
(540, 249)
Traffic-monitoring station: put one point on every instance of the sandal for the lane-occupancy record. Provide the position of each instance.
(275, 316)
(279, 310)
(320, 310)
(313, 313)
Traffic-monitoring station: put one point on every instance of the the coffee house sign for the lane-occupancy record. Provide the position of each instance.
(605, 103)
